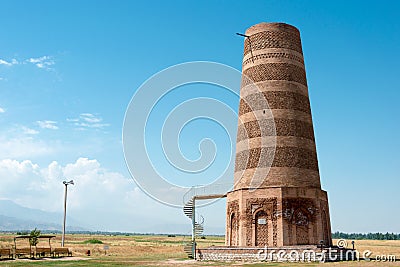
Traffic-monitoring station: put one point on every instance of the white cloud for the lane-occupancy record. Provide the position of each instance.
(2, 110)
(96, 190)
(9, 63)
(105, 199)
(88, 120)
(23, 147)
(17, 177)
(23, 142)
(25, 166)
(3, 62)
(29, 131)
(47, 125)
(43, 62)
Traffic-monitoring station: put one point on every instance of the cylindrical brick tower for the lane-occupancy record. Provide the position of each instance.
(277, 198)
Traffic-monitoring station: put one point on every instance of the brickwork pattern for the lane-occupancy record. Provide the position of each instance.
(276, 67)
(233, 225)
(273, 39)
(283, 157)
(267, 205)
(283, 127)
(275, 71)
(276, 100)
(274, 55)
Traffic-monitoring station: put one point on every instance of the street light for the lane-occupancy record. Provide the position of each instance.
(65, 209)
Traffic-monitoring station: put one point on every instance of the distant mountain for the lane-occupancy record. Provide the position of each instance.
(16, 217)
(13, 224)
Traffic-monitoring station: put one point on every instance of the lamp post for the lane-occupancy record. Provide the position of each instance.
(65, 209)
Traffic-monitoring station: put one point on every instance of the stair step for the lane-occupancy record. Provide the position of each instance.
(188, 249)
(188, 210)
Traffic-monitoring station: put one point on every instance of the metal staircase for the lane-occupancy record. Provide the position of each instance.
(197, 227)
(189, 209)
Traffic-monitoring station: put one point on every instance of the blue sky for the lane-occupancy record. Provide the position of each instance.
(68, 70)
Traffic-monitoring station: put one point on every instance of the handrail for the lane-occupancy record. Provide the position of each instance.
(205, 190)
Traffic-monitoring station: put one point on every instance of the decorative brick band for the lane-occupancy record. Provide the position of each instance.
(274, 71)
(273, 39)
(276, 100)
(283, 157)
(273, 55)
(276, 114)
(283, 127)
(271, 141)
(273, 86)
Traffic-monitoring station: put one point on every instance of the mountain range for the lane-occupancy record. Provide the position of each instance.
(14, 217)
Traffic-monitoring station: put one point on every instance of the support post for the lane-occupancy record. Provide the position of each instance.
(65, 215)
(65, 209)
(194, 229)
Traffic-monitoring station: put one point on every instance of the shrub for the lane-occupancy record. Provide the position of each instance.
(33, 239)
(93, 241)
(23, 233)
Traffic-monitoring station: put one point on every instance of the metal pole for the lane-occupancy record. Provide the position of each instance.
(65, 214)
(193, 220)
(194, 229)
(248, 37)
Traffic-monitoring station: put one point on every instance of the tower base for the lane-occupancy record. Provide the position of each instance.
(277, 217)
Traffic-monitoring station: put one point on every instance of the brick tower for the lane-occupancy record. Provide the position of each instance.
(288, 206)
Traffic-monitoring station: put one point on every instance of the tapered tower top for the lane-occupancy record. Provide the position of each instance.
(270, 26)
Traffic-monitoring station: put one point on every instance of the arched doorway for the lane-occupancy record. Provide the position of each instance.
(233, 230)
(261, 229)
(325, 228)
(302, 227)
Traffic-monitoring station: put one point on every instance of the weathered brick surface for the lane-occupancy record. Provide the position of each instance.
(288, 207)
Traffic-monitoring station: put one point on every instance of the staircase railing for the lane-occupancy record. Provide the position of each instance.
(205, 190)
(189, 201)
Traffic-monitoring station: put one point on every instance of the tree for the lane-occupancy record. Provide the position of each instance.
(34, 237)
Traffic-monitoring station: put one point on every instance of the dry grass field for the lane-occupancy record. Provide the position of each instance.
(165, 251)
